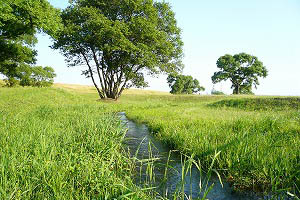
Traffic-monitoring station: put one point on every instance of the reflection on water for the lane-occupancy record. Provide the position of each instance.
(138, 141)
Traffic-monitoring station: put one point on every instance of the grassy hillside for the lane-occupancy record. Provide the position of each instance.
(259, 148)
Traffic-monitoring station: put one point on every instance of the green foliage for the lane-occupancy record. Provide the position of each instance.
(217, 92)
(181, 84)
(242, 70)
(119, 41)
(2, 83)
(23, 18)
(272, 104)
(36, 76)
(20, 20)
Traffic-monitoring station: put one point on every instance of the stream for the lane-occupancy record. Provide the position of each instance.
(141, 144)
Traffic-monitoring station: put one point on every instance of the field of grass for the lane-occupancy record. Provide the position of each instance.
(259, 148)
(54, 145)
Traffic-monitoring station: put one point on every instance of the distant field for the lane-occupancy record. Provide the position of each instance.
(259, 137)
(266, 103)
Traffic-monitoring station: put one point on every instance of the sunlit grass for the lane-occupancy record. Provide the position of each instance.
(53, 145)
(259, 149)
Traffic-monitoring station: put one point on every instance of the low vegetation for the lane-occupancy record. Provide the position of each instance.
(52, 148)
(259, 149)
(53, 145)
(268, 103)
(182, 84)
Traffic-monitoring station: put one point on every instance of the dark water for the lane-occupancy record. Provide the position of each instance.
(142, 144)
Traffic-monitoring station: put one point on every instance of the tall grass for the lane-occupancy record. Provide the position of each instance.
(51, 148)
(269, 103)
(259, 148)
(54, 142)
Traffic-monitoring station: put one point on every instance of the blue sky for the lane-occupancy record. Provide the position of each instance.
(268, 29)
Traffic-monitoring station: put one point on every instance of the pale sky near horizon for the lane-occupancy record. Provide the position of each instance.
(268, 29)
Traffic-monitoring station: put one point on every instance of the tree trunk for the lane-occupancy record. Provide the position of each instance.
(92, 76)
(236, 89)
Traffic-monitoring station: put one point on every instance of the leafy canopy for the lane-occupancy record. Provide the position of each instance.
(242, 70)
(181, 84)
(20, 20)
(217, 92)
(119, 41)
(37, 76)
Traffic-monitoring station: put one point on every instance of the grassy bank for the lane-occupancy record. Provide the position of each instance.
(54, 145)
(259, 149)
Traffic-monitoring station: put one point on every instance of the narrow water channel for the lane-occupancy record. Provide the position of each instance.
(142, 144)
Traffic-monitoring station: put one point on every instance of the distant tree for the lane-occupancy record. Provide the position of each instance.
(20, 20)
(181, 84)
(36, 76)
(120, 41)
(217, 92)
(242, 70)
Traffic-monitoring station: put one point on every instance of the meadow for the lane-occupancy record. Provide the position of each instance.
(54, 145)
(54, 140)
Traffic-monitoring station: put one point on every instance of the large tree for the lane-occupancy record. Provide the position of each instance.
(118, 41)
(182, 84)
(20, 20)
(243, 70)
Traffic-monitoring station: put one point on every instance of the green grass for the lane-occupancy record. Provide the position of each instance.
(268, 103)
(259, 149)
(54, 140)
(55, 146)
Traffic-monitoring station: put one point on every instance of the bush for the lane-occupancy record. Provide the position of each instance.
(11, 82)
(216, 92)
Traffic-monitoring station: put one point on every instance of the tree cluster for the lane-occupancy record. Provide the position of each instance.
(37, 76)
(25, 75)
(181, 84)
(217, 92)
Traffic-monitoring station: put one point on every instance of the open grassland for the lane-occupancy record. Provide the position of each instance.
(54, 145)
(56, 139)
